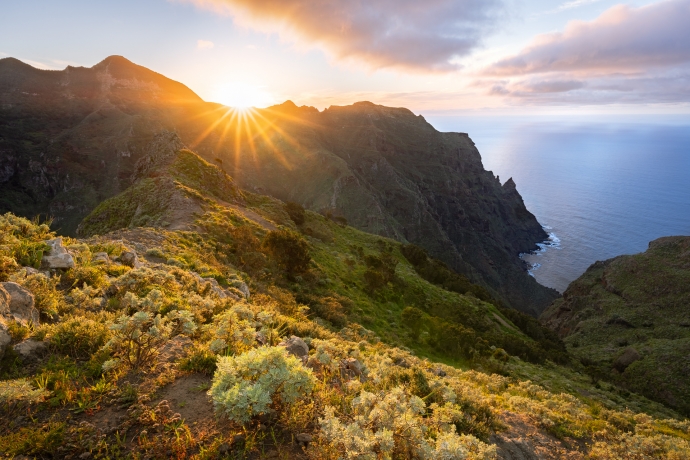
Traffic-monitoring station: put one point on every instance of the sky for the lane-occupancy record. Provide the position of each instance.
(453, 57)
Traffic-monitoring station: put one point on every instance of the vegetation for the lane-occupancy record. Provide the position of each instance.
(184, 356)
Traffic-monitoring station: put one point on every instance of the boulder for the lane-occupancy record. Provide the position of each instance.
(629, 356)
(242, 287)
(21, 303)
(101, 258)
(30, 350)
(219, 291)
(350, 368)
(5, 337)
(130, 259)
(296, 346)
(57, 256)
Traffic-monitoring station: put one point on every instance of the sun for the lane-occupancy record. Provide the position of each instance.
(242, 96)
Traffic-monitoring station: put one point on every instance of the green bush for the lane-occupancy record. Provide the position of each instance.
(78, 337)
(412, 318)
(249, 384)
(290, 251)
(30, 254)
(295, 211)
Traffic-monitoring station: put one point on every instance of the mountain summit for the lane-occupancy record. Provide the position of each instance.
(70, 139)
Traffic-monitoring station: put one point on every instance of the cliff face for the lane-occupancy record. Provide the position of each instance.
(389, 172)
(70, 139)
(627, 320)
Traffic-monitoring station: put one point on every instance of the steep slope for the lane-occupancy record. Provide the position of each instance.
(627, 320)
(70, 139)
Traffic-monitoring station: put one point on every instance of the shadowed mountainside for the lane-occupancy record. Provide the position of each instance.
(70, 139)
(627, 319)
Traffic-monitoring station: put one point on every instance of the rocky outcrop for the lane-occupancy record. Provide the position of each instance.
(21, 302)
(130, 259)
(629, 356)
(57, 256)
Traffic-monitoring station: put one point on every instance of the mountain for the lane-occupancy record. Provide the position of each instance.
(70, 139)
(626, 319)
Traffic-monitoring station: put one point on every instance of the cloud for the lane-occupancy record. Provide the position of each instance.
(626, 55)
(204, 45)
(622, 39)
(405, 34)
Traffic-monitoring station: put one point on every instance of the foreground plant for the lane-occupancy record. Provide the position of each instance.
(251, 383)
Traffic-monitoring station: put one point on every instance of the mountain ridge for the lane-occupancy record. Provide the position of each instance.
(387, 171)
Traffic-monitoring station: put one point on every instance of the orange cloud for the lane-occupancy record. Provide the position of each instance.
(425, 36)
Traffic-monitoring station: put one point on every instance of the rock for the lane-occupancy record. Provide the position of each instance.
(101, 258)
(85, 455)
(439, 372)
(224, 448)
(402, 362)
(30, 350)
(21, 304)
(296, 346)
(260, 337)
(303, 439)
(130, 259)
(175, 349)
(218, 290)
(242, 287)
(57, 256)
(350, 367)
(618, 321)
(5, 337)
(629, 356)
(238, 439)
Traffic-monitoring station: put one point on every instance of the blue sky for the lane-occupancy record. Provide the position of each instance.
(436, 56)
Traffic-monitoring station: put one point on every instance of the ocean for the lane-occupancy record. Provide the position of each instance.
(600, 187)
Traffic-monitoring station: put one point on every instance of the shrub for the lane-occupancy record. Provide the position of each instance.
(138, 338)
(7, 266)
(45, 293)
(30, 254)
(295, 211)
(93, 276)
(77, 337)
(289, 249)
(392, 425)
(248, 384)
(412, 318)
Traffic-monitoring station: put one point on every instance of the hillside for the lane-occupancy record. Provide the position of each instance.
(626, 319)
(249, 328)
(70, 139)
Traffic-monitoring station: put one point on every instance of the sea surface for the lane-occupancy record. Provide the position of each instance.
(601, 187)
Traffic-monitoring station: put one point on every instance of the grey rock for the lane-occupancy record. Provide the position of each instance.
(101, 258)
(303, 437)
(350, 367)
(242, 287)
(440, 372)
(85, 455)
(30, 350)
(219, 291)
(296, 346)
(21, 304)
(5, 337)
(57, 256)
(629, 356)
(130, 259)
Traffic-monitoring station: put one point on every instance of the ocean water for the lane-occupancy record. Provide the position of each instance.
(601, 187)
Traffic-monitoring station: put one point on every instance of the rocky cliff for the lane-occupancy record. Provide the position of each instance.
(70, 139)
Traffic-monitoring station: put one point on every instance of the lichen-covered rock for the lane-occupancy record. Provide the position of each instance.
(130, 259)
(295, 346)
(30, 350)
(57, 256)
(21, 304)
